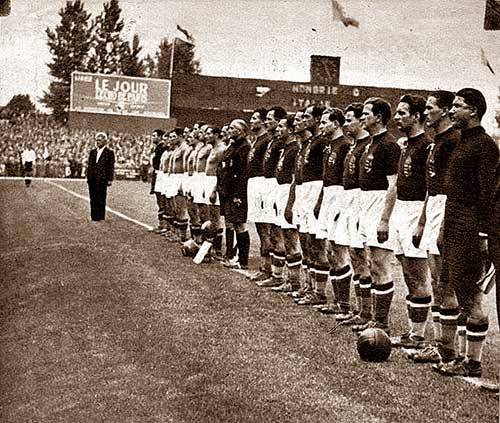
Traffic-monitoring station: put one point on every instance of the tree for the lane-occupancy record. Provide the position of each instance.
(20, 104)
(184, 61)
(149, 67)
(131, 64)
(108, 47)
(69, 45)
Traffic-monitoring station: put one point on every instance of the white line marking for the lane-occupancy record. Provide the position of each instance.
(38, 178)
(87, 199)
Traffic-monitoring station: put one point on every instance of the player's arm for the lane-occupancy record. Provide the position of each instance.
(390, 200)
(317, 207)
(290, 202)
(419, 230)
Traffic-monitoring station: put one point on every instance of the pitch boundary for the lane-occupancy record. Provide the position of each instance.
(108, 209)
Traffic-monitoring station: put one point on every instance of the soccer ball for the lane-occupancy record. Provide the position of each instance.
(374, 345)
(190, 248)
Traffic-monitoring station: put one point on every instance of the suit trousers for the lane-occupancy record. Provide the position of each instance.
(97, 193)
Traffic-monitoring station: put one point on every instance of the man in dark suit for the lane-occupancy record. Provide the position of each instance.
(100, 172)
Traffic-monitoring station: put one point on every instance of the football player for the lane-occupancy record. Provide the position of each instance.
(377, 180)
(470, 184)
(444, 315)
(410, 196)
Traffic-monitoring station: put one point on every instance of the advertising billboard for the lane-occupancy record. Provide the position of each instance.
(120, 95)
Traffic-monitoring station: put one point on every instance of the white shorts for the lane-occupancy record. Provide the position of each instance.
(197, 181)
(269, 197)
(329, 212)
(347, 233)
(281, 198)
(255, 191)
(306, 198)
(434, 213)
(371, 205)
(177, 182)
(185, 184)
(159, 184)
(170, 185)
(209, 184)
(402, 225)
(338, 230)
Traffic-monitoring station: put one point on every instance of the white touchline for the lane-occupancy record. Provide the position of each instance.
(87, 199)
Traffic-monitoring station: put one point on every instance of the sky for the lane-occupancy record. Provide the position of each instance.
(424, 44)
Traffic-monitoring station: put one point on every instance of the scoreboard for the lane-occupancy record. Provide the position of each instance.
(120, 95)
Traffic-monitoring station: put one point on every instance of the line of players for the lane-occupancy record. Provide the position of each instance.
(335, 197)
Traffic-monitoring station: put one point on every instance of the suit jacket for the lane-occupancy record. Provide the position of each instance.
(232, 171)
(101, 172)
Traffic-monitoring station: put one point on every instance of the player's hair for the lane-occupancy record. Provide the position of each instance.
(262, 112)
(201, 123)
(289, 121)
(380, 107)
(179, 131)
(416, 103)
(317, 111)
(240, 124)
(335, 114)
(159, 133)
(443, 98)
(279, 112)
(474, 98)
(215, 130)
(356, 108)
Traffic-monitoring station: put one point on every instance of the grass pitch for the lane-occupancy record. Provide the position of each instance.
(107, 322)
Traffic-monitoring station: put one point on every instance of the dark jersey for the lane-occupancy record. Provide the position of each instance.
(299, 161)
(272, 157)
(232, 172)
(333, 161)
(437, 160)
(411, 185)
(313, 159)
(159, 149)
(470, 176)
(256, 155)
(378, 161)
(286, 162)
(350, 178)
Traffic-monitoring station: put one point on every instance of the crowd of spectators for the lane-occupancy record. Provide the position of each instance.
(62, 152)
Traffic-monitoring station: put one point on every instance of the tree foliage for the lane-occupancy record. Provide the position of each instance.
(184, 58)
(107, 45)
(131, 63)
(69, 45)
(19, 104)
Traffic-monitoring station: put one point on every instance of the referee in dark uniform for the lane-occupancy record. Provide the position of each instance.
(470, 182)
(494, 237)
(232, 187)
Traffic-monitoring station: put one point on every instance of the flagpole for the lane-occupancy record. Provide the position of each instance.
(172, 52)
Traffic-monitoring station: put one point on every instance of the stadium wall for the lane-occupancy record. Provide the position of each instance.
(133, 125)
(218, 100)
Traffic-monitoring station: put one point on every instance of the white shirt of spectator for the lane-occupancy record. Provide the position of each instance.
(99, 152)
(28, 156)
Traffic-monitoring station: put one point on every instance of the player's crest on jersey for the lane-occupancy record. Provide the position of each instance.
(351, 163)
(332, 158)
(431, 166)
(281, 160)
(251, 154)
(408, 167)
(368, 165)
(267, 156)
(328, 149)
(307, 150)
